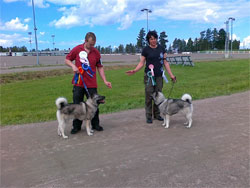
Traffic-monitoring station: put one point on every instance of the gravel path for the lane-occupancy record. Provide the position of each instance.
(214, 153)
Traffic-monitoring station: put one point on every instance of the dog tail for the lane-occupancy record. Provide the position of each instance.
(186, 97)
(61, 102)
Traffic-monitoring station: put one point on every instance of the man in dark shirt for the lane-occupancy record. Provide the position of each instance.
(155, 57)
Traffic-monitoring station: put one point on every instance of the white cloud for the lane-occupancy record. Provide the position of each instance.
(39, 3)
(42, 33)
(235, 37)
(13, 39)
(246, 43)
(27, 20)
(125, 12)
(67, 21)
(11, 1)
(14, 25)
(7, 40)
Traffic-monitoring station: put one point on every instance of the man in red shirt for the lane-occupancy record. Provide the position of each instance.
(87, 59)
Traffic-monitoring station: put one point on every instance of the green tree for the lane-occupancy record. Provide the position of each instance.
(208, 39)
(215, 36)
(175, 44)
(102, 50)
(236, 45)
(190, 45)
(130, 49)
(121, 48)
(163, 39)
(221, 39)
(141, 39)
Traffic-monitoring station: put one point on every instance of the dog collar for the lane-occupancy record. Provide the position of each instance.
(160, 103)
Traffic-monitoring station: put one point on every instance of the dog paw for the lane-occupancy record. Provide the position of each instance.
(92, 131)
(65, 136)
(188, 127)
(90, 134)
(163, 124)
(166, 127)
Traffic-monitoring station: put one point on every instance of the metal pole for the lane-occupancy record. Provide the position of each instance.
(147, 21)
(37, 57)
(226, 40)
(30, 33)
(232, 19)
(148, 11)
(53, 36)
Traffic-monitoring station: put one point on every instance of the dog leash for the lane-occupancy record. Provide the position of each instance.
(170, 90)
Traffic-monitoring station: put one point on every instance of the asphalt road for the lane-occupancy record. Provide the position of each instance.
(214, 153)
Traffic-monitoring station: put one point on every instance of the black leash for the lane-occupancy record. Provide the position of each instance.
(171, 90)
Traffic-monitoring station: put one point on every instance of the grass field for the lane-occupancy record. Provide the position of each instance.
(30, 97)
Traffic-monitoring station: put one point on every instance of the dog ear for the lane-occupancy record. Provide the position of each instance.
(156, 93)
(92, 95)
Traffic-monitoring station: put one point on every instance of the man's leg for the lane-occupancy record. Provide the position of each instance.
(95, 122)
(158, 87)
(78, 94)
(149, 89)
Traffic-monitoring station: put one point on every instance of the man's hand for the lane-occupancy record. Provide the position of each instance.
(130, 72)
(108, 84)
(174, 80)
(75, 69)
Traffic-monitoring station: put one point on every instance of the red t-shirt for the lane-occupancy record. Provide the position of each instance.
(94, 58)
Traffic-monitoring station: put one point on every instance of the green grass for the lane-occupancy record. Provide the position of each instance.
(33, 99)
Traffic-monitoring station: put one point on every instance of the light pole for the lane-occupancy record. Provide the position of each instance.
(227, 40)
(232, 19)
(30, 33)
(37, 58)
(53, 36)
(148, 11)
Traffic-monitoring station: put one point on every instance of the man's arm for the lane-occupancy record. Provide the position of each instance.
(167, 67)
(102, 74)
(138, 67)
(72, 65)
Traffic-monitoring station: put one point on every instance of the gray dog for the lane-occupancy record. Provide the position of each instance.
(169, 107)
(83, 111)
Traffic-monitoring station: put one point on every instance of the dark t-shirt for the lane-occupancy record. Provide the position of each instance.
(154, 56)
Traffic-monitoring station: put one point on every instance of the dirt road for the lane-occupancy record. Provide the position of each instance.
(214, 153)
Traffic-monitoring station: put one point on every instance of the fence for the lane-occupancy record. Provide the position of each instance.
(180, 60)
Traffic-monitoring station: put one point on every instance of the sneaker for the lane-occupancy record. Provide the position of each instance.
(98, 128)
(75, 130)
(149, 120)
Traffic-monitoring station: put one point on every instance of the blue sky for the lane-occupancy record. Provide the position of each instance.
(117, 22)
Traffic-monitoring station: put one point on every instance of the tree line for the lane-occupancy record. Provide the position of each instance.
(13, 49)
(208, 40)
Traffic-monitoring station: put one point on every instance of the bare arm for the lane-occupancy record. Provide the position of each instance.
(102, 74)
(167, 67)
(70, 64)
(138, 67)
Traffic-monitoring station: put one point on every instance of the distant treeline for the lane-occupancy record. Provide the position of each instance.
(208, 40)
(13, 49)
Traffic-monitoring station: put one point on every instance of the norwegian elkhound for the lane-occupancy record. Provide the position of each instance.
(169, 107)
(83, 111)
